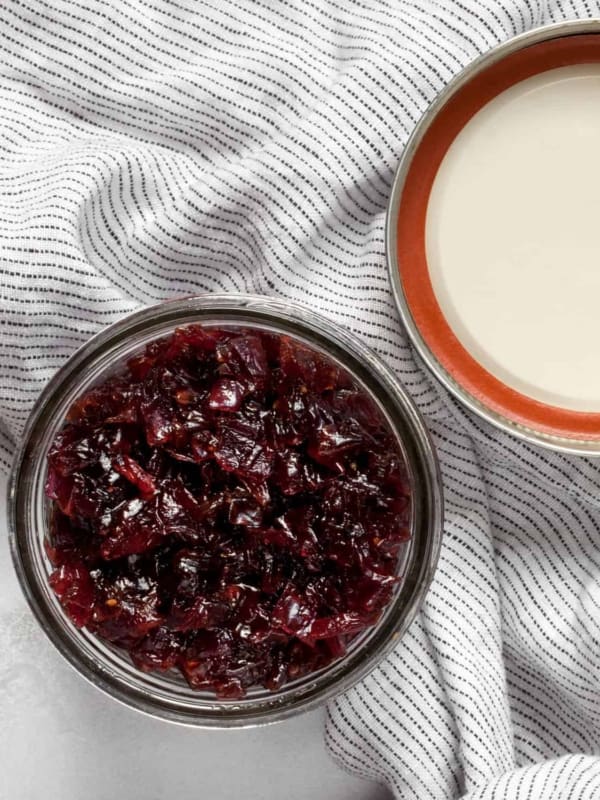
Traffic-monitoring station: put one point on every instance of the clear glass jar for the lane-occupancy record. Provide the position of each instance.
(164, 695)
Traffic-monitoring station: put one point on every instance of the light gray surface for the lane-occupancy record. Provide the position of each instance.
(66, 740)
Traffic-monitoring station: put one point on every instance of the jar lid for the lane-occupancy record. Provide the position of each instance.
(494, 236)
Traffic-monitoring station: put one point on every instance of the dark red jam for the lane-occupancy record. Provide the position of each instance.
(231, 505)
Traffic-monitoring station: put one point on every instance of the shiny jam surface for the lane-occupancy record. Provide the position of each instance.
(230, 505)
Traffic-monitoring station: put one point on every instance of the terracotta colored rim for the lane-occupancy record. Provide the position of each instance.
(409, 223)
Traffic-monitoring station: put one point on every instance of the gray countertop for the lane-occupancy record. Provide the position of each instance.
(62, 738)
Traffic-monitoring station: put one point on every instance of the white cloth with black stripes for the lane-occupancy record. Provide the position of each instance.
(155, 148)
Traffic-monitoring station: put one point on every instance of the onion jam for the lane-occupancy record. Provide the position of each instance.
(231, 504)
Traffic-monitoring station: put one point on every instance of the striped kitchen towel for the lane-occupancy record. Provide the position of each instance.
(154, 148)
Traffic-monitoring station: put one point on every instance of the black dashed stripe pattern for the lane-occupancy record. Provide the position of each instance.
(155, 148)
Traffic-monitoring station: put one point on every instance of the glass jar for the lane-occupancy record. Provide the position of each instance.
(166, 695)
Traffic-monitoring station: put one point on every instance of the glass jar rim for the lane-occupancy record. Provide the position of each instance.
(153, 693)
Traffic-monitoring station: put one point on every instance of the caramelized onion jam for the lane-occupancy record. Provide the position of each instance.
(231, 505)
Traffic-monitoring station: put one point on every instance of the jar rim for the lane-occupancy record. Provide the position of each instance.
(27, 506)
